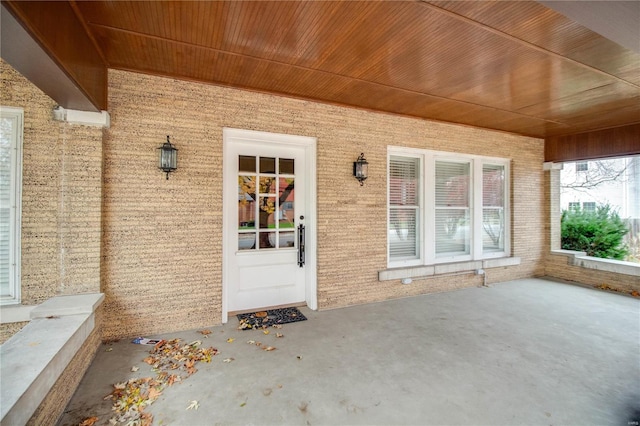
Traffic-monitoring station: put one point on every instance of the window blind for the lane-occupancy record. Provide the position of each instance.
(6, 137)
(404, 206)
(452, 196)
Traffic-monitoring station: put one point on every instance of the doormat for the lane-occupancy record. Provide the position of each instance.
(264, 319)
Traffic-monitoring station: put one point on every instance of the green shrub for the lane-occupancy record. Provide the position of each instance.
(599, 233)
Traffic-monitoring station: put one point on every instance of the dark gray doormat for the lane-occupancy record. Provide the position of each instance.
(268, 318)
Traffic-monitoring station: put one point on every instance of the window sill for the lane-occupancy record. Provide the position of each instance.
(33, 359)
(580, 259)
(422, 271)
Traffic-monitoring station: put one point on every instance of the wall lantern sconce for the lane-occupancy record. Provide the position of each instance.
(360, 169)
(168, 157)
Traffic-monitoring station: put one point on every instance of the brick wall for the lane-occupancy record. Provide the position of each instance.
(61, 196)
(61, 218)
(162, 245)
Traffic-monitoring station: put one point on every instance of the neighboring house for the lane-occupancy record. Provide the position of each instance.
(620, 187)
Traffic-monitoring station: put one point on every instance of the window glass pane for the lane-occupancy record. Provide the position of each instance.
(403, 181)
(492, 185)
(493, 229)
(286, 166)
(267, 165)
(493, 202)
(247, 164)
(287, 239)
(246, 241)
(404, 201)
(267, 207)
(453, 231)
(452, 184)
(403, 241)
(6, 137)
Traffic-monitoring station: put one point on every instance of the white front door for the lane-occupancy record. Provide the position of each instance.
(268, 185)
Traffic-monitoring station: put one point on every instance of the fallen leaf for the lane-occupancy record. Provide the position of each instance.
(635, 293)
(251, 342)
(230, 340)
(194, 405)
(277, 326)
(205, 332)
(134, 368)
(154, 394)
(265, 331)
(243, 404)
(89, 421)
(227, 360)
(267, 391)
(279, 335)
(54, 317)
(34, 344)
(299, 357)
(269, 349)
(108, 349)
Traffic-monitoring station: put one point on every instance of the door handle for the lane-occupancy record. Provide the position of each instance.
(301, 245)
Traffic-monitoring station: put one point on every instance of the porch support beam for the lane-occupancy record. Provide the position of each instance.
(47, 43)
(614, 142)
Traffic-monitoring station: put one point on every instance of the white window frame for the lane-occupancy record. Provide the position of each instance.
(15, 216)
(427, 211)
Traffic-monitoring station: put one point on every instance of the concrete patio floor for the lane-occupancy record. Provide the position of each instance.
(530, 351)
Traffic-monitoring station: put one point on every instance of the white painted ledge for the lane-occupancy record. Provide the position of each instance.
(580, 258)
(33, 359)
(424, 271)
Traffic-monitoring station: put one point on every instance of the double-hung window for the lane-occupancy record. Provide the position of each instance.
(445, 207)
(10, 189)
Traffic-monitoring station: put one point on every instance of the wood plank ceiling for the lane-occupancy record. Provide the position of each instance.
(513, 66)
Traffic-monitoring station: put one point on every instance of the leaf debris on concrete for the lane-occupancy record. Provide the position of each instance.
(172, 360)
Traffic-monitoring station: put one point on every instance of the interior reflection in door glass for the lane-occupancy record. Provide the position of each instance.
(286, 166)
(247, 164)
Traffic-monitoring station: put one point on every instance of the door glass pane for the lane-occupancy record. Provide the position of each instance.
(246, 202)
(247, 164)
(266, 202)
(286, 166)
(246, 241)
(287, 239)
(267, 240)
(267, 208)
(267, 185)
(286, 197)
(267, 165)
